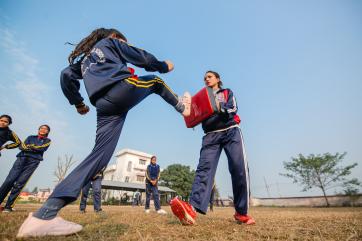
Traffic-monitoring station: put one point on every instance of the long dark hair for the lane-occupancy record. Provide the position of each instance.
(216, 74)
(85, 45)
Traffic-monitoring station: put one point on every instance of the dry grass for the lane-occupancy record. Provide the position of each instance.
(127, 223)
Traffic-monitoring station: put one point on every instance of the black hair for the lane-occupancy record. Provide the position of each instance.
(152, 158)
(48, 127)
(84, 47)
(8, 117)
(216, 74)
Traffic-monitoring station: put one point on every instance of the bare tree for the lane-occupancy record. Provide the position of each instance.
(63, 167)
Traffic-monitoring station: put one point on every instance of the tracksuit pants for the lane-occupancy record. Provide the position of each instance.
(150, 189)
(17, 178)
(212, 144)
(112, 110)
(96, 185)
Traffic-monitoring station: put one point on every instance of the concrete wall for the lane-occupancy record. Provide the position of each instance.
(318, 201)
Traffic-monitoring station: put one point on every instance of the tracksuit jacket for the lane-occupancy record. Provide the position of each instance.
(104, 67)
(227, 117)
(8, 135)
(34, 147)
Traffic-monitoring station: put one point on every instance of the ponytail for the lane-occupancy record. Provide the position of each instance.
(86, 44)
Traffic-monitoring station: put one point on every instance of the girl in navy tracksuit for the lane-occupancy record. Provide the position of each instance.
(32, 151)
(222, 132)
(152, 177)
(101, 61)
(6, 134)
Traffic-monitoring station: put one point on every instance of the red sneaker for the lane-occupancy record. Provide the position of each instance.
(244, 219)
(1, 208)
(183, 211)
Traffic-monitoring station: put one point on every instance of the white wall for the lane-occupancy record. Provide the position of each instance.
(119, 171)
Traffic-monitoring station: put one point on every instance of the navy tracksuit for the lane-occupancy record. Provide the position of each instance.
(8, 135)
(113, 91)
(152, 173)
(222, 133)
(96, 184)
(27, 161)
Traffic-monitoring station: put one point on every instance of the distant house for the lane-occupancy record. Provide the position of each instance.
(43, 194)
(26, 196)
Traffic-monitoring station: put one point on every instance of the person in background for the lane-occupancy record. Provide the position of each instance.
(212, 197)
(96, 184)
(28, 159)
(136, 198)
(6, 134)
(152, 176)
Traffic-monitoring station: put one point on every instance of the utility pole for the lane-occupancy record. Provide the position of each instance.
(267, 187)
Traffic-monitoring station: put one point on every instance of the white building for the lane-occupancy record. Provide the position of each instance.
(130, 167)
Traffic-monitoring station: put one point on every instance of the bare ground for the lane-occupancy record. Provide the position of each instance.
(127, 223)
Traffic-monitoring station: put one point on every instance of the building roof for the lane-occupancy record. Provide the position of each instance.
(138, 153)
(128, 186)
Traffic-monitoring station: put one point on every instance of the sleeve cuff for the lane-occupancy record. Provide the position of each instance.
(163, 67)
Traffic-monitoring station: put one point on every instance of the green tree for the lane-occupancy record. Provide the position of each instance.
(179, 178)
(321, 171)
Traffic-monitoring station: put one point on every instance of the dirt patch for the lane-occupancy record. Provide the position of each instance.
(127, 223)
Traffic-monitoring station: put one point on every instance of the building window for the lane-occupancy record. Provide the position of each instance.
(126, 179)
(142, 162)
(140, 178)
(129, 167)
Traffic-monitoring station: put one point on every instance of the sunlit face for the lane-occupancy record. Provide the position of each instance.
(43, 131)
(153, 160)
(4, 122)
(211, 80)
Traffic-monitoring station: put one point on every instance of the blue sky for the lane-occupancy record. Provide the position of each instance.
(294, 66)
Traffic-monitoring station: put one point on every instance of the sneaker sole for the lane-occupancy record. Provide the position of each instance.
(187, 220)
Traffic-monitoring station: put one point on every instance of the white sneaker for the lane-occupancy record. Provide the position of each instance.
(35, 227)
(147, 211)
(186, 100)
(161, 211)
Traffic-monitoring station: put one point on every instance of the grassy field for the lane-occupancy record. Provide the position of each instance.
(127, 223)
